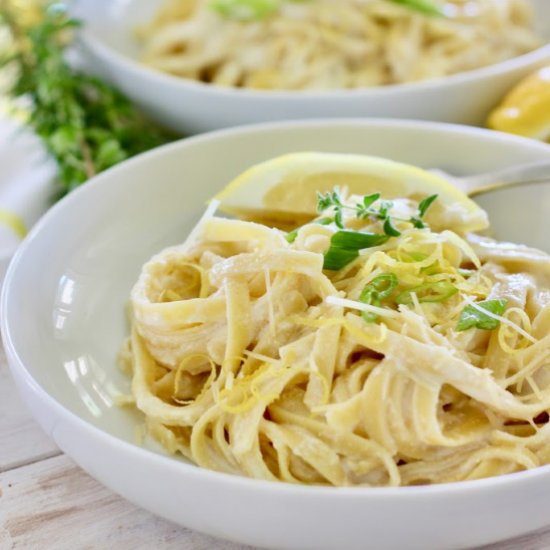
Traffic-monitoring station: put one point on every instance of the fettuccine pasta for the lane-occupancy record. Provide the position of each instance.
(331, 44)
(423, 359)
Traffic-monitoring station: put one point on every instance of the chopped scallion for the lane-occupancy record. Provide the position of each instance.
(428, 7)
(378, 289)
(472, 317)
(428, 292)
(245, 10)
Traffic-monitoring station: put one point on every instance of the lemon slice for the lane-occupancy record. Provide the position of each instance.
(525, 111)
(284, 190)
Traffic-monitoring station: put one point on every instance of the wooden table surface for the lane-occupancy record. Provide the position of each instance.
(47, 502)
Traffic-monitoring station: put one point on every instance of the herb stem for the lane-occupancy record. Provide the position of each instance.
(87, 156)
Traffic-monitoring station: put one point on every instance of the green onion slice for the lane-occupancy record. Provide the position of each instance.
(250, 10)
(427, 7)
(428, 292)
(390, 229)
(245, 10)
(378, 289)
(383, 285)
(471, 317)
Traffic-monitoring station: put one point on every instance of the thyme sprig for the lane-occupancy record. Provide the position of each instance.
(345, 244)
(86, 125)
(365, 209)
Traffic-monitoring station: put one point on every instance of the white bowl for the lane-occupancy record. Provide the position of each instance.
(63, 321)
(191, 107)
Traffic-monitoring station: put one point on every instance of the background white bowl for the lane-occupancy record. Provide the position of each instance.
(63, 321)
(191, 107)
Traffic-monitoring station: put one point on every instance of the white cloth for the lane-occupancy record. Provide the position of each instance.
(26, 184)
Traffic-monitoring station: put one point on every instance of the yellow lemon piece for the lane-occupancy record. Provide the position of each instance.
(14, 222)
(525, 111)
(283, 190)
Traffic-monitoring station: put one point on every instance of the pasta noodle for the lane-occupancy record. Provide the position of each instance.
(331, 44)
(248, 357)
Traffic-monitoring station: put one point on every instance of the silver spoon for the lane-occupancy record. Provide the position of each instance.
(521, 174)
(517, 200)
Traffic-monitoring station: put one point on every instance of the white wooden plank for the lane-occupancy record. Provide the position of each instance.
(54, 504)
(21, 439)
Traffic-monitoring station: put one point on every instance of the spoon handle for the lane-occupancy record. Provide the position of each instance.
(515, 175)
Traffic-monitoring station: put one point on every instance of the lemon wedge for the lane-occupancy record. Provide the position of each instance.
(283, 191)
(525, 110)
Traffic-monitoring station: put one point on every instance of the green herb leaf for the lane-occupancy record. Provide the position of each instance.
(335, 197)
(338, 219)
(369, 200)
(423, 6)
(345, 246)
(422, 209)
(417, 222)
(324, 201)
(356, 240)
(471, 317)
(245, 10)
(336, 258)
(108, 153)
(425, 204)
(385, 207)
(390, 229)
(428, 292)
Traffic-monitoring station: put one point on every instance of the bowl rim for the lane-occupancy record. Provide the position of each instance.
(112, 56)
(143, 453)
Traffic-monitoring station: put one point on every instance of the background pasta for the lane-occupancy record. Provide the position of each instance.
(326, 44)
